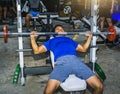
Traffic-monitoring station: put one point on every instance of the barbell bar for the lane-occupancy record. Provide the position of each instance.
(111, 34)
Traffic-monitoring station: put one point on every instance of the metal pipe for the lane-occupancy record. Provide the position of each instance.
(23, 50)
(54, 33)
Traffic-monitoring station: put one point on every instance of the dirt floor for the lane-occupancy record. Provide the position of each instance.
(107, 58)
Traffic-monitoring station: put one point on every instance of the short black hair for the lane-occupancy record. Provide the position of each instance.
(53, 30)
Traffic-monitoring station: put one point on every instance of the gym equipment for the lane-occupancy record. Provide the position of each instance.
(113, 37)
(47, 23)
(100, 72)
(6, 33)
(73, 83)
(39, 70)
(16, 74)
(20, 34)
(20, 40)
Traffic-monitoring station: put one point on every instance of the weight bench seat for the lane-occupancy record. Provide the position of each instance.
(73, 83)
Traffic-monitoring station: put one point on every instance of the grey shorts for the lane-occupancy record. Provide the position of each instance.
(70, 64)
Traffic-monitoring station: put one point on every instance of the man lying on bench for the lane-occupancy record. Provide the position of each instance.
(66, 61)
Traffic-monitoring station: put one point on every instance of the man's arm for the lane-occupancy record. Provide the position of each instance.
(37, 49)
(83, 48)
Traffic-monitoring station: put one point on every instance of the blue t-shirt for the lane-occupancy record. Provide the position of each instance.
(61, 46)
(116, 11)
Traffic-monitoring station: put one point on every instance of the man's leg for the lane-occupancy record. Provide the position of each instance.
(51, 86)
(102, 20)
(5, 13)
(109, 21)
(27, 20)
(96, 84)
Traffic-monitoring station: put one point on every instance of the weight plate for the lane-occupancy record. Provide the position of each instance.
(100, 72)
(67, 10)
(111, 37)
(5, 33)
(16, 74)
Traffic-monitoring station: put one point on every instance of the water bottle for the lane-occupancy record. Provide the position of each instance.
(16, 74)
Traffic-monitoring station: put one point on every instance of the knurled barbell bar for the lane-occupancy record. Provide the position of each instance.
(111, 35)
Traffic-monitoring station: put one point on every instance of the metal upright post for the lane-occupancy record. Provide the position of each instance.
(44, 9)
(94, 16)
(20, 40)
(24, 7)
